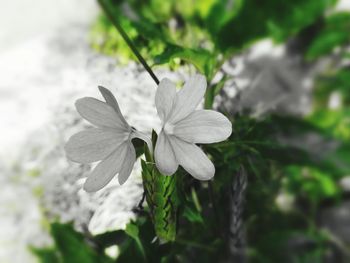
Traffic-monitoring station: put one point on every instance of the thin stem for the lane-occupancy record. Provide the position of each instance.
(128, 41)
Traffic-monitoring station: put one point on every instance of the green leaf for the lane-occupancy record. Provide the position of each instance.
(311, 183)
(335, 33)
(202, 59)
(336, 122)
(45, 255)
(132, 230)
(192, 214)
(130, 252)
(110, 238)
(330, 82)
(72, 245)
(269, 18)
(221, 13)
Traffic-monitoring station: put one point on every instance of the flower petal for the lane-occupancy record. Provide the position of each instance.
(112, 101)
(143, 136)
(164, 155)
(188, 98)
(192, 159)
(128, 164)
(203, 126)
(99, 113)
(93, 144)
(165, 97)
(106, 169)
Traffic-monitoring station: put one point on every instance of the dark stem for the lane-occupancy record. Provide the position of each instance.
(140, 205)
(128, 41)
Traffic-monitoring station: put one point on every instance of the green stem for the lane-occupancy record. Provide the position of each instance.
(128, 41)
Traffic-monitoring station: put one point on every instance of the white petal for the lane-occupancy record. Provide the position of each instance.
(165, 98)
(111, 101)
(93, 144)
(143, 136)
(188, 98)
(192, 159)
(106, 169)
(99, 113)
(164, 155)
(128, 164)
(203, 126)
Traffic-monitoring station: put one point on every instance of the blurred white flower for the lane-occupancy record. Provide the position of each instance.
(109, 142)
(183, 126)
(285, 202)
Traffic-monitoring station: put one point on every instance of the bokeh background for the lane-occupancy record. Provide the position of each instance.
(285, 64)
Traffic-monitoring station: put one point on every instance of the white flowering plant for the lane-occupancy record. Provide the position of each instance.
(182, 127)
(195, 169)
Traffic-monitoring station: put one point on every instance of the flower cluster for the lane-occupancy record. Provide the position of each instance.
(182, 127)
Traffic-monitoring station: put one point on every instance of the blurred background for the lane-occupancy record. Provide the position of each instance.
(279, 69)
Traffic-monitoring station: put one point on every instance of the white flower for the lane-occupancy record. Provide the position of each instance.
(109, 142)
(184, 126)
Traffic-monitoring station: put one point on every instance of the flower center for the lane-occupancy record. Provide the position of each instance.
(169, 128)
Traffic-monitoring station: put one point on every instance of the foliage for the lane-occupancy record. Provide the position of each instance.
(70, 247)
(204, 33)
(331, 83)
(333, 34)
